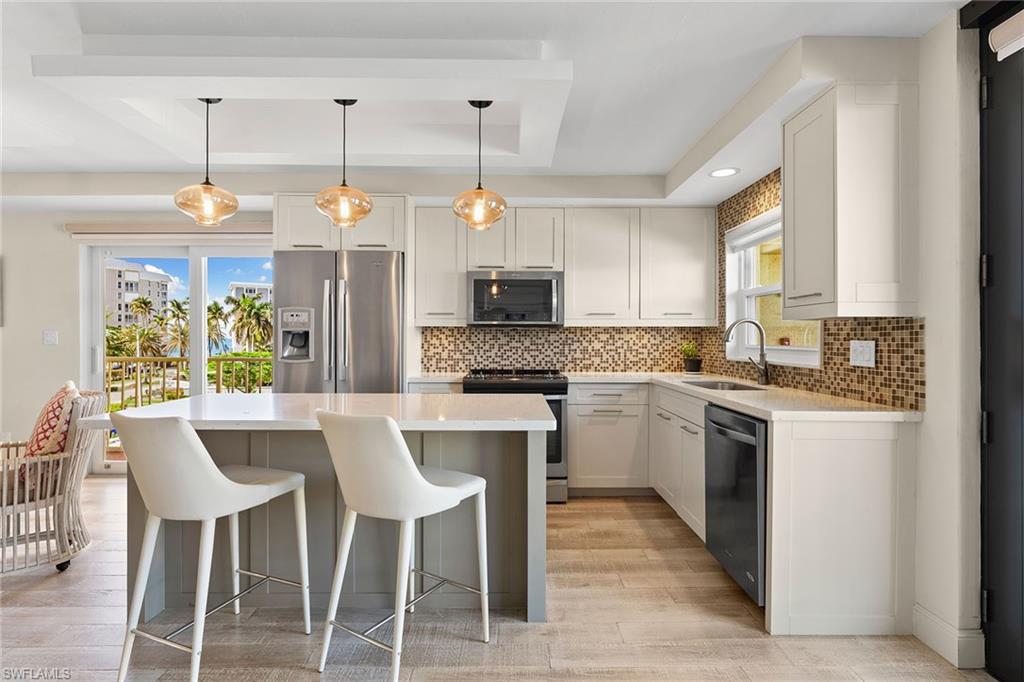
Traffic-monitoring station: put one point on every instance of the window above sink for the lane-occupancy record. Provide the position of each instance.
(753, 287)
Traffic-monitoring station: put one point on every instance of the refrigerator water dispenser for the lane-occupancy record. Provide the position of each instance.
(295, 335)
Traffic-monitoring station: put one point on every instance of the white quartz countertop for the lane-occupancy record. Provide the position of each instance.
(771, 402)
(297, 411)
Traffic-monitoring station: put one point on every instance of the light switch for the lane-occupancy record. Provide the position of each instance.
(50, 337)
(862, 353)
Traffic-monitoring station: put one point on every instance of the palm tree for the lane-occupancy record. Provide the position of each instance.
(251, 321)
(177, 331)
(149, 341)
(216, 320)
(141, 307)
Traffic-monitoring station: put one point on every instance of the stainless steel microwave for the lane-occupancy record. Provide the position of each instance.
(515, 298)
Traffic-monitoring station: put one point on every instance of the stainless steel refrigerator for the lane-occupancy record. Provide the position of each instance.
(338, 321)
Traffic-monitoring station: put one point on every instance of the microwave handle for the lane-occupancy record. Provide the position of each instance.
(554, 300)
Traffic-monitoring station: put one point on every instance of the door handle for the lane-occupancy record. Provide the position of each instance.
(600, 314)
(606, 395)
(343, 323)
(796, 296)
(606, 411)
(733, 435)
(326, 337)
(372, 246)
(665, 417)
(666, 314)
(692, 432)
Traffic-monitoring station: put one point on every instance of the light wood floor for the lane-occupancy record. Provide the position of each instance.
(633, 595)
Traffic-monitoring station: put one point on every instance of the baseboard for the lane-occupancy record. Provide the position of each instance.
(963, 648)
(612, 492)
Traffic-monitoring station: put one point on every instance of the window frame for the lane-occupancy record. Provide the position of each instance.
(740, 299)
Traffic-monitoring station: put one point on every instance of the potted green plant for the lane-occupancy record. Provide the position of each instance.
(691, 357)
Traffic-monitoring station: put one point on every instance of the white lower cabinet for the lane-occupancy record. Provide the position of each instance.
(666, 456)
(607, 446)
(677, 456)
(691, 498)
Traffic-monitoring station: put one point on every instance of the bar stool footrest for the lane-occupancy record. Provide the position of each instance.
(365, 634)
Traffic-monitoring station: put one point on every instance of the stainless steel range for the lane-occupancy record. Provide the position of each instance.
(554, 386)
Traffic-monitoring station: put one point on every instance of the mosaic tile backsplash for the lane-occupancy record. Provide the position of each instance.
(570, 349)
(896, 381)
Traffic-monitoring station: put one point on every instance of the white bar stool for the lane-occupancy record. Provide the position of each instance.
(178, 481)
(379, 478)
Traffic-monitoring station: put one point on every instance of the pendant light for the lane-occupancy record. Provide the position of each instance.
(479, 207)
(206, 203)
(344, 205)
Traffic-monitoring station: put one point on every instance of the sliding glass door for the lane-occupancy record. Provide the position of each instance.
(150, 343)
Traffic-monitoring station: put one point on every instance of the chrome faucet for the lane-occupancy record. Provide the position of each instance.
(763, 375)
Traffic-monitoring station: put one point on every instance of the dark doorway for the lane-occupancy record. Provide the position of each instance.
(1002, 338)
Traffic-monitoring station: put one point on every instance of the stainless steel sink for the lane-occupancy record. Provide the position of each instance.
(724, 386)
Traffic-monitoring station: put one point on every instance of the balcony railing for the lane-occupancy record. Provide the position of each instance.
(136, 381)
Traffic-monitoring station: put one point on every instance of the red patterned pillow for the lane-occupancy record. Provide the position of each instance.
(50, 434)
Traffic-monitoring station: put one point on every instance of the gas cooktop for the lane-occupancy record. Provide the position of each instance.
(549, 381)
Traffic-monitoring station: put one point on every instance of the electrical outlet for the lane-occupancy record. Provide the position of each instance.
(862, 353)
(50, 337)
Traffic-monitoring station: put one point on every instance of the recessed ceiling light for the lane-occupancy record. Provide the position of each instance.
(724, 172)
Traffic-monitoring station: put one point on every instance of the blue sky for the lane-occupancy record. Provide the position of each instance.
(219, 273)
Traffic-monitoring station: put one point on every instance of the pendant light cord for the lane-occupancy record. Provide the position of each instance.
(207, 181)
(344, 145)
(479, 147)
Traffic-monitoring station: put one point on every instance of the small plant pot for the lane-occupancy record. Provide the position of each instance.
(692, 365)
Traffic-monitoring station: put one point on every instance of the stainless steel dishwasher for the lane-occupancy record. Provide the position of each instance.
(735, 462)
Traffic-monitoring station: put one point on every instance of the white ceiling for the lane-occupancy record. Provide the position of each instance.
(580, 88)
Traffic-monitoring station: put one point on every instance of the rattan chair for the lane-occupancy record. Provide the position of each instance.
(40, 496)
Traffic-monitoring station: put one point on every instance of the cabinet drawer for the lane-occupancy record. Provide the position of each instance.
(683, 406)
(608, 394)
(434, 387)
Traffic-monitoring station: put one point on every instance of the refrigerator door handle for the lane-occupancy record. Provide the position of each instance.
(343, 324)
(326, 335)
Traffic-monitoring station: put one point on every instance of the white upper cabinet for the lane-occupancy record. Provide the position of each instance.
(298, 226)
(678, 273)
(540, 238)
(494, 248)
(382, 230)
(602, 266)
(440, 263)
(849, 207)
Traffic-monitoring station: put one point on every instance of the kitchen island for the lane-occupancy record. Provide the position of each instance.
(499, 437)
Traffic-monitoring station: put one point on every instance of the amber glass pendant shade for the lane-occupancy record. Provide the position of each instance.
(479, 207)
(206, 203)
(343, 205)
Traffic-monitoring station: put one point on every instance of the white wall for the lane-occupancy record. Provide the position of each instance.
(947, 609)
(41, 291)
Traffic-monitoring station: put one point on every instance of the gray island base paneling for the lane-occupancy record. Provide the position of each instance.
(513, 463)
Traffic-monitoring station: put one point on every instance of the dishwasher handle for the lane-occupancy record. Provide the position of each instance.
(732, 434)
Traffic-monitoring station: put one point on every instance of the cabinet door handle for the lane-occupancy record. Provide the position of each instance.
(440, 313)
(539, 267)
(600, 313)
(692, 432)
(665, 417)
(606, 395)
(307, 246)
(677, 314)
(372, 246)
(796, 296)
(607, 411)
(490, 267)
